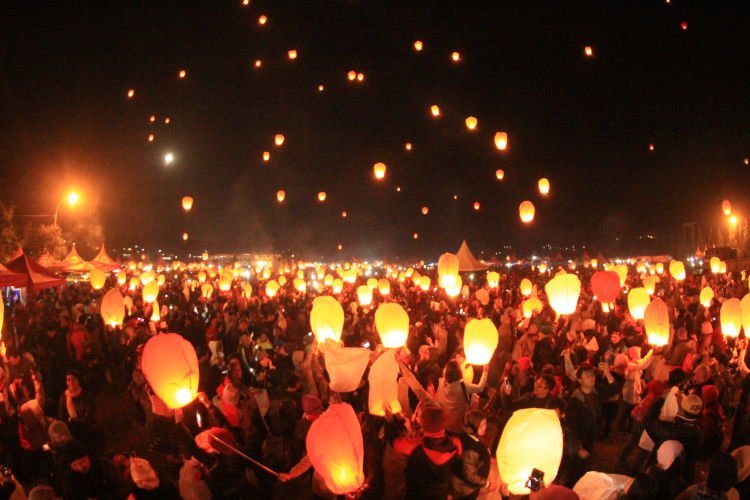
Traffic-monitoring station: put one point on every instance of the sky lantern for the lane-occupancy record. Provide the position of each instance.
(321, 88)
(715, 264)
(622, 273)
(272, 288)
(131, 93)
(322, 196)
(202, 277)
(300, 285)
(606, 285)
(364, 295)
(133, 284)
(337, 285)
(168, 158)
(526, 211)
(112, 308)
(543, 186)
(415, 236)
(170, 366)
(335, 448)
(684, 25)
(677, 270)
(278, 139)
(182, 73)
(326, 318)
(500, 174)
(392, 324)
(280, 195)
(706, 296)
(530, 306)
(328, 280)
(731, 317)
(360, 77)
(262, 20)
(151, 137)
(638, 300)
(383, 379)
(258, 63)
(167, 120)
(97, 278)
(542, 267)
(155, 315)
(372, 283)
(424, 283)
(150, 292)
(425, 210)
(455, 56)
(408, 146)
(418, 45)
(435, 110)
(207, 291)
(745, 311)
(649, 283)
(493, 279)
(659, 268)
(225, 284)
(351, 75)
(122, 278)
(379, 170)
(282, 280)
(723, 266)
(477, 205)
(526, 287)
(471, 123)
(656, 322)
(292, 54)
(501, 141)
(454, 289)
(726, 207)
(589, 51)
(384, 286)
(532, 439)
(651, 147)
(187, 203)
(562, 292)
(447, 269)
(480, 341)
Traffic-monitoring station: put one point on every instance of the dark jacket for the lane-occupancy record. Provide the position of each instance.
(428, 468)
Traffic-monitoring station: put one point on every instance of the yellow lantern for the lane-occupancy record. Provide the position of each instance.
(622, 273)
(337, 285)
(112, 308)
(278, 139)
(745, 310)
(202, 277)
(526, 287)
(326, 319)
(530, 306)
(384, 286)
(122, 278)
(418, 45)
(185, 236)
(526, 211)
(160, 280)
(187, 203)
(272, 288)
(726, 207)
(150, 292)
(659, 268)
(532, 439)
(731, 317)
(707, 295)
(392, 324)
(500, 174)
(493, 279)
(677, 270)
(501, 141)
(656, 322)
(207, 290)
(133, 284)
(266, 274)
(247, 290)
(476, 205)
(562, 292)
(292, 54)
(364, 295)
(335, 448)
(97, 278)
(322, 196)
(638, 300)
(471, 123)
(327, 280)
(715, 264)
(454, 289)
(266, 155)
(542, 268)
(280, 195)
(649, 283)
(722, 267)
(372, 283)
(589, 51)
(480, 341)
(147, 278)
(170, 366)
(155, 315)
(379, 170)
(424, 283)
(455, 56)
(282, 280)
(425, 210)
(300, 285)
(435, 110)
(447, 269)
(225, 285)
(543, 185)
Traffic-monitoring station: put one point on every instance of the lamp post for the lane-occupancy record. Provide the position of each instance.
(71, 198)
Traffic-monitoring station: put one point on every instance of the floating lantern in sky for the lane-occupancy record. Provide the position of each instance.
(425, 210)
(435, 110)
(415, 236)
(360, 77)
(448, 264)
(526, 211)
(407, 146)
(638, 300)
(677, 270)
(379, 170)
(746, 161)
(322, 196)
(187, 203)
(185, 236)
(745, 310)
(344, 214)
(152, 118)
(471, 123)
(606, 285)
(418, 45)
(340, 247)
(480, 341)
(292, 54)
(477, 206)
(280, 195)
(266, 155)
(543, 185)
(501, 140)
(321, 88)
(182, 73)
(112, 308)
(131, 93)
(455, 56)
(151, 137)
(168, 158)
(150, 291)
(589, 51)
(167, 120)
(272, 288)
(262, 20)
(398, 189)
(258, 63)
(278, 139)
(684, 26)
(651, 147)
(351, 75)
(500, 174)
(97, 278)
(726, 207)
(245, 3)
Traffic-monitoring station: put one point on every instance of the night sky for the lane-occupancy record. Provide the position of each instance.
(584, 123)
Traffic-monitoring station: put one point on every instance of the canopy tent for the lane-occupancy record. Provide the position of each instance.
(9, 278)
(48, 260)
(103, 261)
(35, 275)
(467, 261)
(74, 263)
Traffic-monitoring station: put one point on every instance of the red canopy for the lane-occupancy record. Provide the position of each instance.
(104, 262)
(35, 275)
(9, 278)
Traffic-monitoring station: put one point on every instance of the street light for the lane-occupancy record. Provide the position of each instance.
(72, 198)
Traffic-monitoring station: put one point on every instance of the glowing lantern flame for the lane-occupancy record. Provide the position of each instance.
(526, 211)
(562, 292)
(677, 270)
(292, 54)
(455, 56)
(706, 296)
(526, 287)
(530, 306)
(418, 45)
(351, 75)
(131, 93)
(745, 310)
(731, 317)
(501, 141)
(364, 295)
(726, 207)
(435, 110)
(278, 139)
(384, 286)
(425, 210)
(392, 324)
(337, 285)
(493, 279)
(170, 366)
(477, 206)
(112, 308)
(262, 20)
(543, 185)
(322, 196)
(182, 73)
(150, 292)
(480, 341)
(715, 264)
(656, 322)
(187, 203)
(500, 174)
(471, 123)
(280, 195)
(379, 170)
(588, 50)
(424, 283)
(272, 288)
(448, 270)
(326, 318)
(606, 285)
(638, 300)
(97, 278)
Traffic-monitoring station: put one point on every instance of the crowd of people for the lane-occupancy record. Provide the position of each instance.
(638, 421)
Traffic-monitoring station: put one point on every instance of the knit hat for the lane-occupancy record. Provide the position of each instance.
(722, 472)
(692, 405)
(58, 432)
(73, 451)
(742, 456)
(668, 453)
(143, 475)
(312, 405)
(432, 417)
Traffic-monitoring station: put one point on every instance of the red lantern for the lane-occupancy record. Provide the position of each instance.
(606, 285)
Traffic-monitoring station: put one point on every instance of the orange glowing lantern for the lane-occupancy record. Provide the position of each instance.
(606, 285)
(272, 288)
(447, 269)
(501, 141)
(526, 287)
(480, 341)
(677, 270)
(185, 236)
(392, 324)
(589, 51)
(745, 310)
(425, 210)
(379, 170)
(262, 20)
(351, 75)
(418, 45)
(97, 278)
(656, 322)
(715, 264)
(435, 110)
(322, 196)
(292, 54)
(471, 123)
(622, 273)
(493, 279)
(326, 319)
(543, 186)
(562, 292)
(526, 211)
(280, 195)
(384, 286)
(530, 306)
(706, 296)
(278, 139)
(207, 290)
(454, 289)
(364, 295)
(266, 155)
(731, 317)
(726, 207)
(424, 283)
(187, 203)
(150, 292)
(122, 278)
(455, 56)
(649, 283)
(170, 366)
(638, 300)
(300, 285)
(337, 285)
(500, 174)
(112, 308)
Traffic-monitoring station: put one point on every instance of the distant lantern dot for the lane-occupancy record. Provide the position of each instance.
(152, 118)
(351, 75)
(182, 73)
(321, 88)
(477, 206)
(266, 156)
(589, 51)
(322, 196)
(360, 77)
(258, 63)
(684, 25)
(418, 45)
(747, 161)
(168, 158)
(279, 139)
(343, 215)
(185, 236)
(262, 20)
(425, 210)
(408, 146)
(167, 120)
(415, 236)
(245, 3)
(340, 246)
(501, 140)
(151, 137)
(500, 174)
(131, 93)
(471, 123)
(651, 147)
(435, 110)
(455, 196)
(398, 189)
(292, 54)
(456, 56)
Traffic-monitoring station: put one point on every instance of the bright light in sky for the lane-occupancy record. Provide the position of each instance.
(168, 158)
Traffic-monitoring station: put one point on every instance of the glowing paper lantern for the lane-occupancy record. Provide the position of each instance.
(745, 310)
(622, 273)
(562, 292)
(280, 195)
(435, 110)
(383, 385)
(480, 341)
(225, 284)
(656, 322)
(150, 292)
(447, 269)
(722, 267)
(542, 267)
(379, 170)
(300, 285)
(532, 439)
(207, 290)
(638, 300)
(418, 45)
(322, 196)
(707, 295)
(112, 308)
(526, 287)
(155, 316)
(122, 277)
(364, 295)
(500, 174)
(649, 283)
(272, 288)
(677, 270)
(170, 366)
(731, 317)
(589, 51)
(501, 140)
(326, 319)
(292, 54)
(471, 123)
(543, 185)
(278, 139)
(659, 268)
(384, 286)
(345, 365)
(392, 324)
(335, 449)
(530, 306)
(185, 236)
(606, 285)
(493, 279)
(726, 207)
(337, 285)
(182, 73)
(715, 263)
(455, 56)
(424, 283)
(425, 210)
(454, 289)
(187, 203)
(526, 211)
(266, 155)
(477, 206)
(97, 278)
(262, 20)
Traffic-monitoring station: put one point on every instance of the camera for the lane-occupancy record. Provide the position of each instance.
(534, 483)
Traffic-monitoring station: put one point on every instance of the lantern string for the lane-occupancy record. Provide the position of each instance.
(251, 460)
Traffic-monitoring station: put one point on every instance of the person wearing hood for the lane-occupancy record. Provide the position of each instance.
(472, 471)
(454, 394)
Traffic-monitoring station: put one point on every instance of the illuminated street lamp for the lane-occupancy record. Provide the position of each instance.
(72, 199)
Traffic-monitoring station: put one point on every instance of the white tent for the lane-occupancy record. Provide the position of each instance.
(466, 260)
